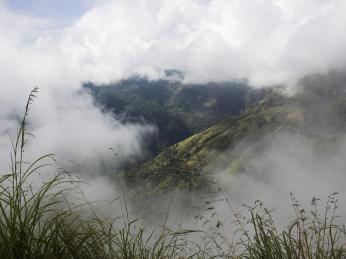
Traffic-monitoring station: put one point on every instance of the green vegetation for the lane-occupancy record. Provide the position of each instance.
(316, 113)
(182, 166)
(38, 221)
(178, 110)
(311, 235)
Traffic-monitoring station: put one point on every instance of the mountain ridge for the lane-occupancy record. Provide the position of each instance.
(313, 115)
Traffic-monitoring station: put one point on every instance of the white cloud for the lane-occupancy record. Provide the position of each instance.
(265, 40)
(63, 121)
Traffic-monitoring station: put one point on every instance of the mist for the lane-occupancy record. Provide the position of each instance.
(63, 119)
(267, 42)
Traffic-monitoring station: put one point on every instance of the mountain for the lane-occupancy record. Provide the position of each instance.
(315, 114)
(178, 110)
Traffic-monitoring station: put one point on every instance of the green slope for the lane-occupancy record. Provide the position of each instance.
(317, 111)
(181, 165)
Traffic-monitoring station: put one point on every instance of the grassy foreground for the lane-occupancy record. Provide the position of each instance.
(39, 222)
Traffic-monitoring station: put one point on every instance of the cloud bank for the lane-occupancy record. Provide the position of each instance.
(267, 41)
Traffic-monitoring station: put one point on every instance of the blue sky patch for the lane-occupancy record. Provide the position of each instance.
(56, 9)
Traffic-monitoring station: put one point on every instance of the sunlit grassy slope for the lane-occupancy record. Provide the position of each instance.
(316, 111)
(181, 165)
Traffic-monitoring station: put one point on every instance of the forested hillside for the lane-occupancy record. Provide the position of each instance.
(178, 110)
